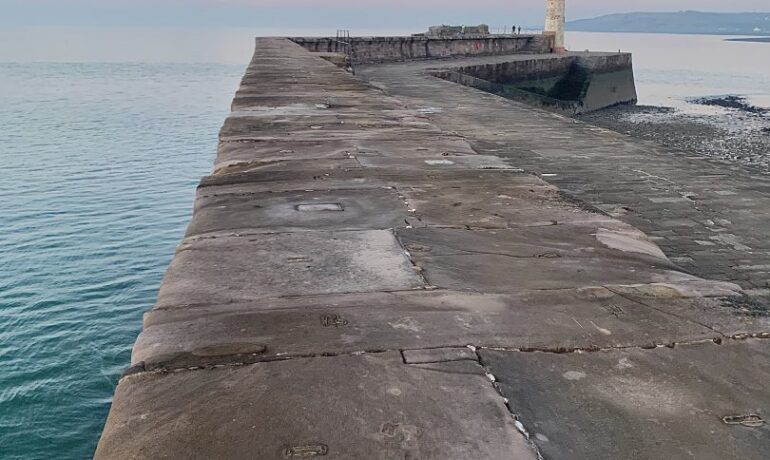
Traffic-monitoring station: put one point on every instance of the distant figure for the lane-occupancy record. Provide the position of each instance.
(519, 30)
(514, 30)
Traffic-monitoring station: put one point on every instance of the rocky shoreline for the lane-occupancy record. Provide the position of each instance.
(750, 39)
(734, 131)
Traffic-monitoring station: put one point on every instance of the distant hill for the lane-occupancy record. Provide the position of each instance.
(682, 22)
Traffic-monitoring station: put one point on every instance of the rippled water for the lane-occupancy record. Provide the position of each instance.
(98, 171)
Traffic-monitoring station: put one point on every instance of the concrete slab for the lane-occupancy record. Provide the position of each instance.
(439, 355)
(555, 257)
(338, 99)
(319, 165)
(309, 133)
(503, 201)
(642, 404)
(340, 209)
(183, 336)
(304, 176)
(256, 123)
(437, 163)
(231, 155)
(226, 268)
(254, 182)
(347, 407)
(730, 316)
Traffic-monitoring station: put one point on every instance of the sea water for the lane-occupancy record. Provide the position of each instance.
(98, 168)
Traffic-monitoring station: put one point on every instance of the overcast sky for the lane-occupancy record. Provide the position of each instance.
(350, 14)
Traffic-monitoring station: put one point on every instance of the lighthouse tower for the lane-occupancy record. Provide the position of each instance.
(554, 23)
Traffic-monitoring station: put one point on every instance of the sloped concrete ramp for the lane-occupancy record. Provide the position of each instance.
(359, 283)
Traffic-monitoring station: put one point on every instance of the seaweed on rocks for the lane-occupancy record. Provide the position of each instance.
(736, 135)
(730, 102)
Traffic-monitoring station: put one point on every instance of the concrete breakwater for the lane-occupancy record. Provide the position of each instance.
(368, 50)
(524, 69)
(377, 268)
(570, 84)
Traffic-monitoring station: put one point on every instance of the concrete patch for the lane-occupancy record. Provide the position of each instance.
(438, 355)
(221, 269)
(629, 240)
(379, 208)
(439, 163)
(677, 287)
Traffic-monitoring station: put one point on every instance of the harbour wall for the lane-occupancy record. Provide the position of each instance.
(368, 50)
(570, 84)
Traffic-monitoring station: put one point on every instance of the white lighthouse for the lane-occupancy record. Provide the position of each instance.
(554, 23)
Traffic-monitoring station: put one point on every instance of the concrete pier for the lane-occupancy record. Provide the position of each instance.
(398, 266)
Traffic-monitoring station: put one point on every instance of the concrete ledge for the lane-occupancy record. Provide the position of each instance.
(366, 50)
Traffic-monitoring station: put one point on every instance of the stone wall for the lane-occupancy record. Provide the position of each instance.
(569, 84)
(367, 50)
(448, 31)
(611, 81)
(530, 98)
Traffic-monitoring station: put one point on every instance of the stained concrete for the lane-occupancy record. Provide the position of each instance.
(709, 215)
(226, 268)
(568, 83)
(642, 404)
(549, 320)
(346, 407)
(389, 49)
(354, 252)
(352, 208)
(552, 257)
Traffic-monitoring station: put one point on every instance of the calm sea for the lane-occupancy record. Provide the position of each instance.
(98, 167)
(103, 137)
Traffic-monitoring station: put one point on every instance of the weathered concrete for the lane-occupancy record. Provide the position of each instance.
(642, 404)
(373, 275)
(709, 216)
(444, 30)
(391, 49)
(346, 407)
(569, 83)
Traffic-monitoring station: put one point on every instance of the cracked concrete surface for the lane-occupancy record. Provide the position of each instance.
(365, 278)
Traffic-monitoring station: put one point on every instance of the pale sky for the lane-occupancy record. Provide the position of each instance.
(348, 14)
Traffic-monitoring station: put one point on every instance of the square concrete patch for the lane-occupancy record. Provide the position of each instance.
(246, 267)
